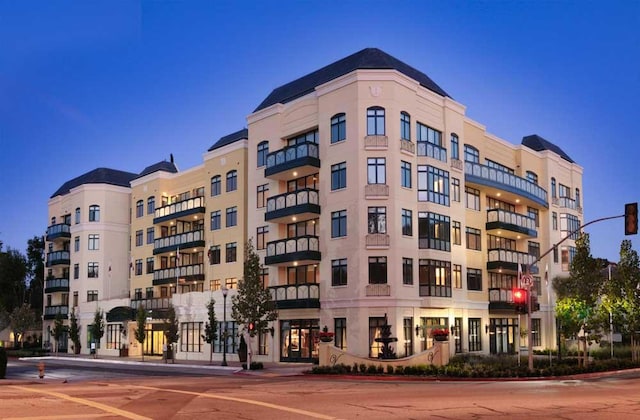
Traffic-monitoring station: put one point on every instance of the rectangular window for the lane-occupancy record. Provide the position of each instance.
(216, 188)
(536, 339)
(456, 233)
(303, 274)
(407, 222)
(534, 249)
(375, 331)
(92, 270)
(191, 337)
(554, 220)
(150, 235)
(340, 333)
(264, 277)
(149, 265)
(263, 343)
(377, 220)
(137, 294)
(405, 174)
(338, 128)
(434, 231)
(375, 121)
(456, 276)
(429, 135)
(473, 198)
(338, 224)
(555, 254)
(261, 195)
(474, 279)
(457, 334)
(534, 214)
(473, 239)
(140, 208)
(92, 295)
(231, 337)
(148, 293)
(495, 165)
(151, 205)
(435, 278)
(475, 339)
(139, 237)
(494, 203)
(498, 242)
(76, 271)
(94, 242)
(407, 329)
(567, 253)
(407, 271)
(214, 254)
(215, 220)
(455, 147)
(455, 186)
(405, 126)
(261, 237)
(76, 244)
(139, 267)
(113, 336)
(377, 270)
(569, 223)
(75, 299)
(338, 176)
(376, 171)
(94, 213)
(231, 255)
(232, 181)
(433, 185)
(232, 216)
(339, 272)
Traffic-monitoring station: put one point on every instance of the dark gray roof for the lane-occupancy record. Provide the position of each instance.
(369, 58)
(98, 176)
(538, 144)
(230, 138)
(160, 166)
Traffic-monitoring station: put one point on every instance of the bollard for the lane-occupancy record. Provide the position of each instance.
(41, 370)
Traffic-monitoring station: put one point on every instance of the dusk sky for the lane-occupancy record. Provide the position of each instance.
(122, 84)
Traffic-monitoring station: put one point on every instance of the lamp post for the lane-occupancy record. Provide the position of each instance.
(609, 264)
(225, 291)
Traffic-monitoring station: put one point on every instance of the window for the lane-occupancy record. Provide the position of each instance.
(553, 188)
(554, 220)
(435, 278)
(405, 126)
(405, 174)
(231, 252)
(471, 154)
(473, 238)
(500, 167)
(455, 147)
(376, 171)
(264, 277)
(433, 185)
(473, 198)
(427, 139)
(499, 242)
(215, 220)
(375, 331)
(338, 128)
(494, 203)
(150, 235)
(407, 328)
(151, 205)
(474, 279)
(578, 197)
(261, 237)
(377, 270)
(137, 294)
(534, 249)
(555, 254)
(76, 271)
(375, 121)
(261, 195)
(534, 214)
(139, 237)
(407, 222)
(338, 176)
(232, 216)
(532, 176)
(94, 242)
(139, 208)
(232, 339)
(377, 220)
(309, 137)
(77, 215)
(566, 254)
(149, 269)
(92, 269)
(455, 185)
(303, 274)
(569, 223)
(191, 337)
(263, 151)
(92, 295)
(216, 188)
(456, 276)
(434, 231)
(340, 335)
(456, 233)
(407, 271)
(535, 332)
(564, 191)
(139, 267)
(338, 223)
(475, 339)
(76, 244)
(232, 180)
(339, 272)
(214, 254)
(94, 213)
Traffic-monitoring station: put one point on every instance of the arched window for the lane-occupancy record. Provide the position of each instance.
(263, 151)
(375, 121)
(578, 197)
(94, 213)
(216, 187)
(455, 146)
(532, 176)
(405, 126)
(77, 215)
(471, 154)
(139, 208)
(151, 205)
(553, 188)
(338, 128)
(232, 180)
(53, 220)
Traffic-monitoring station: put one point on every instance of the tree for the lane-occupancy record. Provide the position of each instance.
(252, 303)
(170, 325)
(139, 332)
(211, 327)
(97, 328)
(35, 272)
(13, 271)
(74, 331)
(22, 320)
(58, 330)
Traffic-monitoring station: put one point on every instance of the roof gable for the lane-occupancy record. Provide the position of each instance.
(537, 143)
(230, 138)
(98, 176)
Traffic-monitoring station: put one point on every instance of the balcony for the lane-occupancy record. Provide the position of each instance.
(301, 249)
(194, 239)
(506, 260)
(432, 150)
(567, 203)
(296, 296)
(179, 209)
(376, 142)
(511, 225)
(303, 157)
(501, 300)
(377, 290)
(61, 230)
(155, 307)
(377, 240)
(58, 258)
(50, 312)
(407, 147)
(303, 204)
(476, 173)
(457, 164)
(376, 191)
(56, 285)
(171, 275)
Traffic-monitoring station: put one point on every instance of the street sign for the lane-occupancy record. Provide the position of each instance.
(527, 280)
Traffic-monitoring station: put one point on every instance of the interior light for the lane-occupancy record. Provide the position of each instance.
(517, 200)
(294, 218)
(295, 173)
(295, 263)
(498, 195)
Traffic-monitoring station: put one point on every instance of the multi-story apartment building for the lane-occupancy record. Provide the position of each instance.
(369, 195)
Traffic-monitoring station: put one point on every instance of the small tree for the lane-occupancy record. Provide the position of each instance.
(58, 330)
(97, 328)
(74, 332)
(22, 320)
(170, 325)
(211, 327)
(140, 333)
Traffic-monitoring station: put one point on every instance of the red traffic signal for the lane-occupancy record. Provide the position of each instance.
(519, 296)
(631, 218)
(251, 326)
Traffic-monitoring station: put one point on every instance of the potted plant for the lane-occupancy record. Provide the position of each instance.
(325, 336)
(440, 333)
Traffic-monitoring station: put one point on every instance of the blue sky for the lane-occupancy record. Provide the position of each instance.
(122, 84)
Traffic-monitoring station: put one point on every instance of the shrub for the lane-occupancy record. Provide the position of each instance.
(372, 369)
(380, 369)
(363, 368)
(3, 363)
(390, 369)
(257, 365)
(400, 370)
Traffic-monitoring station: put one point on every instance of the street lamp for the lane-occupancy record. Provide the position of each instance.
(225, 291)
(609, 265)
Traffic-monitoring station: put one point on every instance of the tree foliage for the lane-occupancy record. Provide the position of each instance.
(211, 326)
(13, 272)
(74, 331)
(58, 330)
(35, 273)
(97, 328)
(253, 303)
(22, 319)
(170, 325)
(139, 332)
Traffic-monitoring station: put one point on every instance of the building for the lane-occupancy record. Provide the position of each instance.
(369, 195)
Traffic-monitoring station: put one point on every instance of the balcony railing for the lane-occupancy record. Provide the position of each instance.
(376, 142)
(192, 239)
(155, 307)
(376, 190)
(50, 312)
(293, 249)
(502, 219)
(377, 240)
(492, 177)
(408, 146)
(567, 203)
(432, 150)
(296, 296)
(171, 275)
(61, 230)
(508, 260)
(501, 299)
(179, 209)
(291, 203)
(378, 290)
(457, 164)
(58, 258)
(56, 285)
(290, 157)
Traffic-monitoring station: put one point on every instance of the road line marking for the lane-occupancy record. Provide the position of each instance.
(242, 400)
(97, 405)
(60, 417)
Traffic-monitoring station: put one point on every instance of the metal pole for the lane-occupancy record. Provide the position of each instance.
(529, 335)
(224, 334)
(610, 317)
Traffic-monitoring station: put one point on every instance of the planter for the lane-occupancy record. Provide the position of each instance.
(325, 339)
(441, 337)
(124, 352)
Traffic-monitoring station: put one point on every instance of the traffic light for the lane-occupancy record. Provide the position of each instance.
(251, 327)
(520, 300)
(631, 218)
